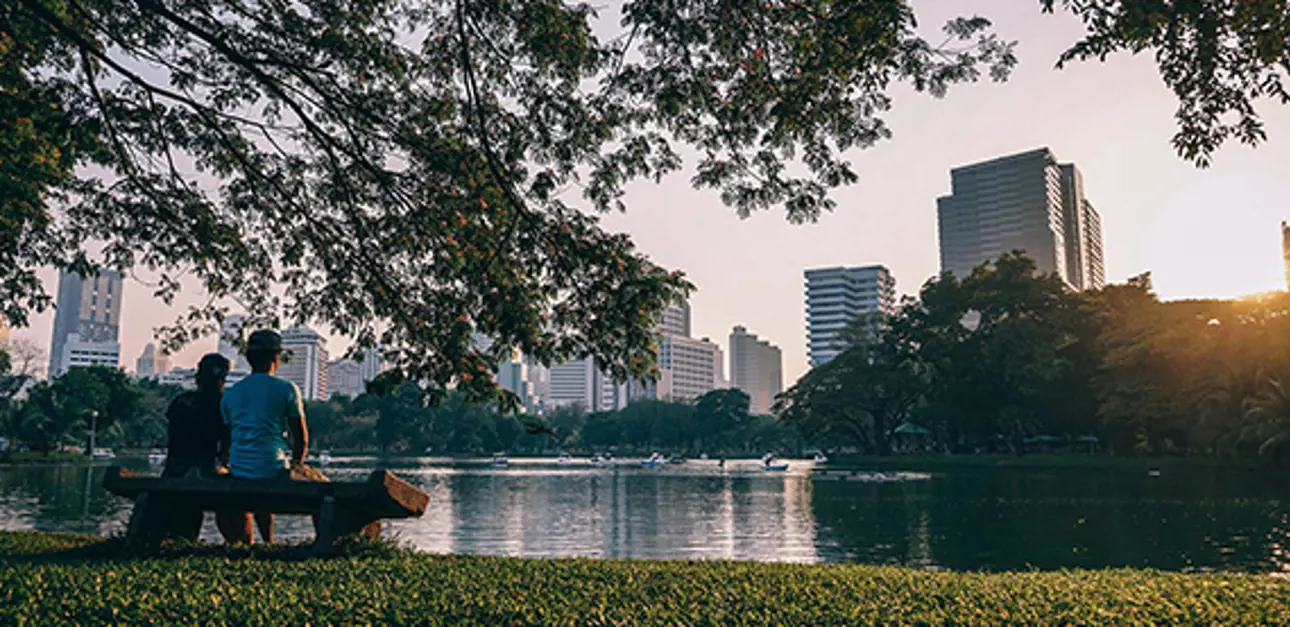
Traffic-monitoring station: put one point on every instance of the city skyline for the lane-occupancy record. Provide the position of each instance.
(1157, 209)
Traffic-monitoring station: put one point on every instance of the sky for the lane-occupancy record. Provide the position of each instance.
(1200, 232)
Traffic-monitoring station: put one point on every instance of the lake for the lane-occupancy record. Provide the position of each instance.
(963, 519)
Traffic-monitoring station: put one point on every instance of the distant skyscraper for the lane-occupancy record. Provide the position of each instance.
(1285, 250)
(579, 382)
(145, 367)
(89, 310)
(1027, 202)
(230, 337)
(345, 376)
(835, 296)
(756, 367)
(676, 319)
(307, 365)
(371, 366)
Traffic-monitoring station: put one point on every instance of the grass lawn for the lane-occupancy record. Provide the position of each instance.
(66, 579)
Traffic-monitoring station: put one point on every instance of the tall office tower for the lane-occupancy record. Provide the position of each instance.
(834, 297)
(231, 334)
(145, 367)
(756, 367)
(89, 310)
(1285, 250)
(307, 364)
(1027, 202)
(579, 382)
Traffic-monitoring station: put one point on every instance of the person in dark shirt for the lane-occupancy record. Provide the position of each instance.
(198, 440)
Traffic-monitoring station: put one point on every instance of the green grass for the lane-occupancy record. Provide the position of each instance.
(64, 579)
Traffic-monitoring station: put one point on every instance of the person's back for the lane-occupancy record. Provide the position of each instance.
(257, 410)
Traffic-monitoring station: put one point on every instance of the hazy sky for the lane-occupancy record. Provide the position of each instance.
(1201, 233)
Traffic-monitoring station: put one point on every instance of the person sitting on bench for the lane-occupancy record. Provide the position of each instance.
(197, 440)
(266, 422)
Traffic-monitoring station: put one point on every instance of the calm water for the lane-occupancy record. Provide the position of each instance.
(963, 519)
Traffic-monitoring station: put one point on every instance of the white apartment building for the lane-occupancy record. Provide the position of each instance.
(345, 377)
(79, 353)
(305, 362)
(579, 382)
(836, 296)
(756, 367)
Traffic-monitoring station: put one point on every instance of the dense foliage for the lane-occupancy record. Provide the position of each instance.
(1008, 358)
(41, 583)
(405, 172)
(401, 422)
(121, 411)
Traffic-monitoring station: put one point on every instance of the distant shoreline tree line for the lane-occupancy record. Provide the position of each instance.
(1008, 357)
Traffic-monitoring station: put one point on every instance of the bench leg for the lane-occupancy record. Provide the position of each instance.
(325, 526)
(138, 520)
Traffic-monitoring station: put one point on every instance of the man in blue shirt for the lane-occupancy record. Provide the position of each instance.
(266, 422)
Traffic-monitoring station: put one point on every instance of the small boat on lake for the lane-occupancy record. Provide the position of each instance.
(103, 453)
(324, 458)
(157, 457)
(499, 459)
(775, 466)
(820, 458)
(600, 460)
(562, 459)
(653, 461)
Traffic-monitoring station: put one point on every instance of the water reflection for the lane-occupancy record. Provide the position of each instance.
(971, 519)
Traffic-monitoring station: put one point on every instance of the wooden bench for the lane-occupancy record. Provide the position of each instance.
(340, 508)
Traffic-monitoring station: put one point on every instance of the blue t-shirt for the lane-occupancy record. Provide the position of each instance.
(256, 410)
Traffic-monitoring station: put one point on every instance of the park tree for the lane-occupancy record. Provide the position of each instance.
(406, 172)
(865, 392)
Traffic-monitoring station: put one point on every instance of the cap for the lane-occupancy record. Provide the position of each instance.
(264, 340)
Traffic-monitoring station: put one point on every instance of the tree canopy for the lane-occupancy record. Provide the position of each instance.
(411, 172)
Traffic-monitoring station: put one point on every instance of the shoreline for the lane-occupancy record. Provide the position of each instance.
(62, 578)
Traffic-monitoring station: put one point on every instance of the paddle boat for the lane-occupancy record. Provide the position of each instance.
(770, 463)
(324, 458)
(103, 453)
(654, 461)
(599, 460)
(499, 459)
(562, 459)
(703, 455)
(157, 457)
(820, 458)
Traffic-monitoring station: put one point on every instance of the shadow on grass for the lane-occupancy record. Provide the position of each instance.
(25, 546)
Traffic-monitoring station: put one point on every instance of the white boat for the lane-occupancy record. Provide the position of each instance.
(653, 461)
(324, 458)
(499, 459)
(562, 459)
(703, 455)
(599, 460)
(820, 458)
(157, 457)
(103, 453)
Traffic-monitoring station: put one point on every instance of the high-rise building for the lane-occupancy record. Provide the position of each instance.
(835, 297)
(580, 382)
(1285, 250)
(1029, 202)
(372, 365)
(756, 367)
(344, 376)
(89, 310)
(145, 367)
(306, 365)
(676, 319)
(231, 335)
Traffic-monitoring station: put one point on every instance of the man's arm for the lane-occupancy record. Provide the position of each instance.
(296, 429)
